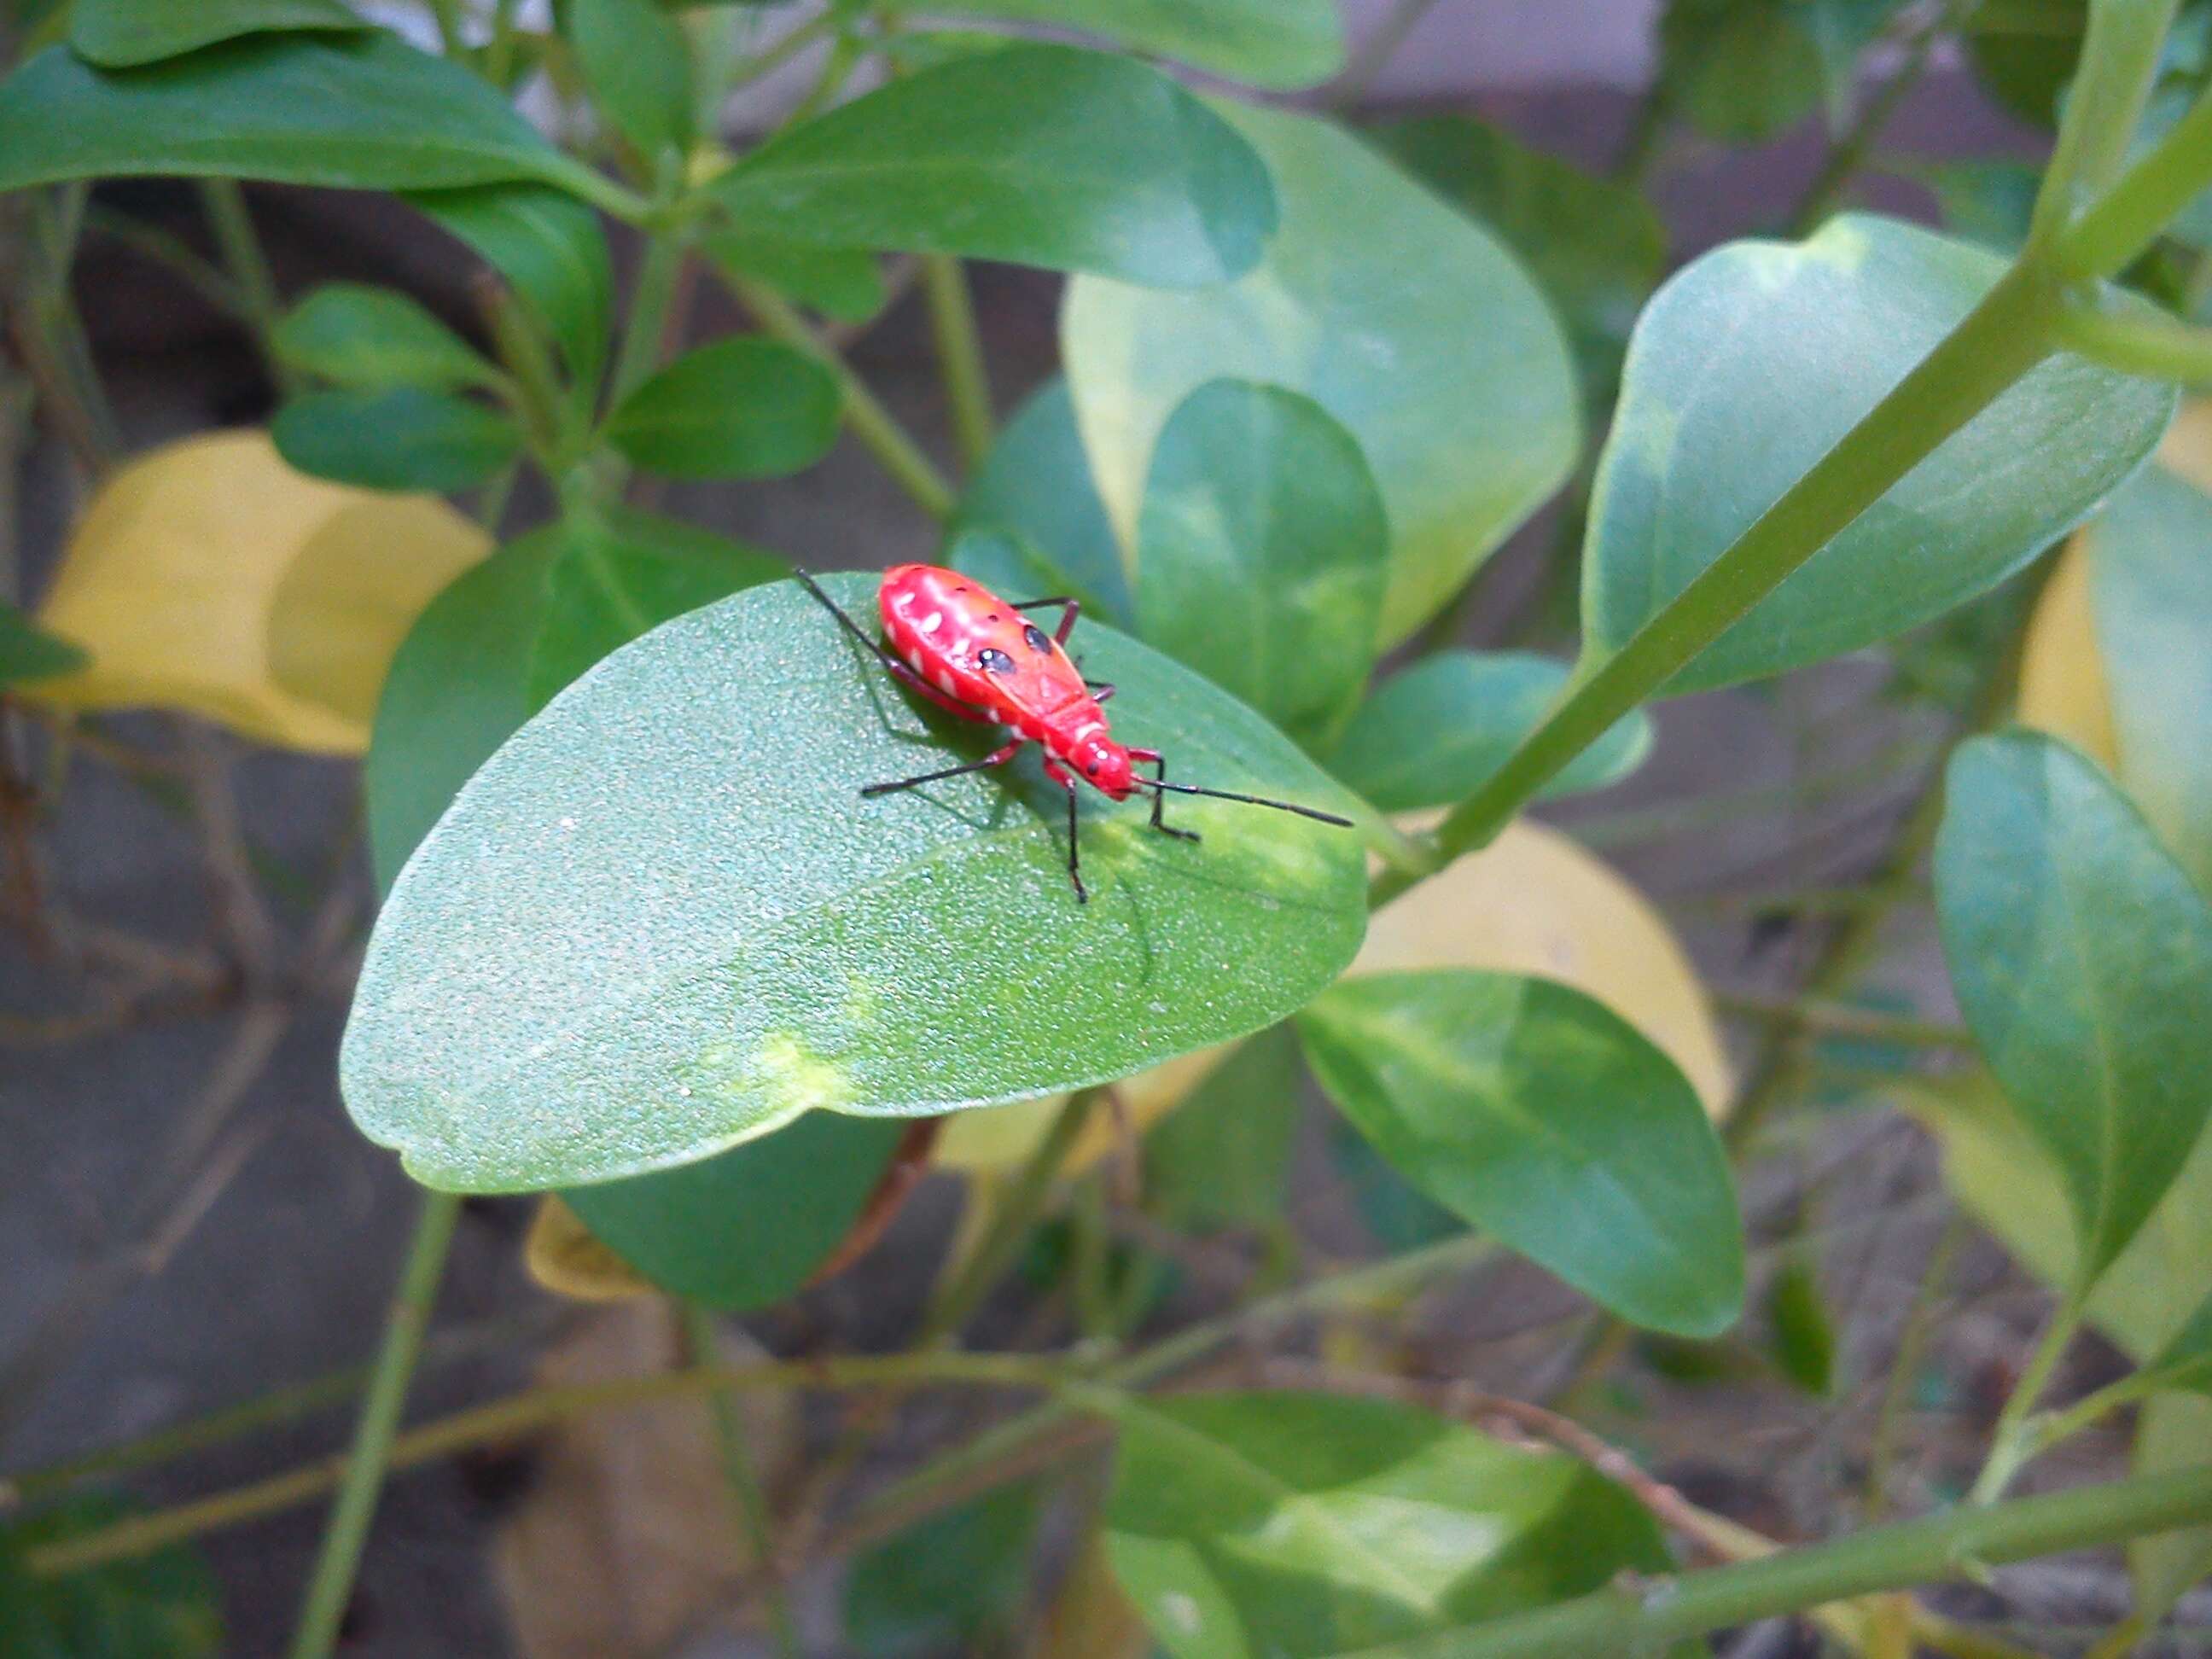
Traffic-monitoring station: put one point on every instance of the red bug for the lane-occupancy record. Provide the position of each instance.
(967, 650)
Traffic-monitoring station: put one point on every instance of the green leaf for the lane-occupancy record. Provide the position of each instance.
(747, 1228)
(2082, 957)
(616, 580)
(1263, 549)
(28, 652)
(2186, 1361)
(1985, 201)
(1746, 369)
(374, 338)
(1398, 1215)
(358, 113)
(122, 33)
(2172, 1431)
(1595, 246)
(550, 248)
(1299, 1525)
(401, 438)
(2151, 592)
(1036, 483)
(1040, 156)
(741, 408)
(1460, 392)
(662, 920)
(1544, 1118)
(458, 688)
(1804, 1336)
(161, 1606)
(842, 283)
(2027, 68)
(1433, 733)
(1740, 70)
(637, 64)
(1280, 43)
(1223, 1156)
(947, 1582)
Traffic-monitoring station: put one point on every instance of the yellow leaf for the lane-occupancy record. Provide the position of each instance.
(208, 576)
(565, 1256)
(1535, 903)
(2063, 689)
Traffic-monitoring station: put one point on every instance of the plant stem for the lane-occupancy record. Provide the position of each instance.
(448, 14)
(1905, 1365)
(2119, 58)
(2166, 179)
(231, 222)
(164, 249)
(1999, 341)
(789, 47)
(1828, 1017)
(1376, 53)
(332, 1584)
(752, 1503)
(650, 301)
(2014, 1441)
(865, 418)
(2136, 342)
(1647, 1614)
(959, 353)
(1018, 1209)
(1849, 154)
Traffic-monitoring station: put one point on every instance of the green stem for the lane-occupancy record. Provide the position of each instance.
(1822, 1015)
(1850, 152)
(2171, 174)
(959, 353)
(782, 50)
(1904, 1366)
(1646, 1616)
(448, 14)
(865, 417)
(1019, 1208)
(2138, 341)
(499, 55)
(2014, 1441)
(1374, 55)
(2119, 58)
(163, 249)
(649, 306)
(1999, 341)
(231, 222)
(331, 1584)
(751, 1503)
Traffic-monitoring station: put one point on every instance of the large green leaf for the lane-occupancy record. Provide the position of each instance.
(843, 283)
(2150, 584)
(161, 1605)
(374, 338)
(358, 111)
(1042, 155)
(1284, 44)
(1299, 1525)
(1035, 485)
(1750, 363)
(2082, 957)
(620, 576)
(1547, 1120)
(1432, 733)
(741, 408)
(1263, 549)
(120, 34)
(550, 247)
(947, 1583)
(1458, 389)
(1595, 245)
(662, 920)
(28, 652)
(402, 437)
(746, 1228)
(637, 64)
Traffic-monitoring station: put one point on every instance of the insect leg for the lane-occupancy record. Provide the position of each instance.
(899, 669)
(1066, 779)
(1101, 690)
(1159, 797)
(1069, 609)
(997, 758)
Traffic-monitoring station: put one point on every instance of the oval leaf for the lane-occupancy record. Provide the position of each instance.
(1040, 156)
(358, 113)
(120, 34)
(373, 338)
(1542, 1117)
(737, 409)
(1747, 368)
(1263, 553)
(1461, 393)
(1433, 733)
(551, 251)
(2082, 957)
(843, 283)
(661, 920)
(1283, 43)
(28, 652)
(1301, 1525)
(637, 64)
(401, 438)
(746, 1228)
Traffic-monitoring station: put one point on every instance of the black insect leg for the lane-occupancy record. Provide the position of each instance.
(1069, 610)
(1066, 779)
(1159, 796)
(997, 758)
(1101, 690)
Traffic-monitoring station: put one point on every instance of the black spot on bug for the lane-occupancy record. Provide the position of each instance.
(1033, 636)
(995, 660)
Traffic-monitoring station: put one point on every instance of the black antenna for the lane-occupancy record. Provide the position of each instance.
(1249, 800)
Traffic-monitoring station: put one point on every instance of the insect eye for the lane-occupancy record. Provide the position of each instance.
(994, 659)
(1033, 636)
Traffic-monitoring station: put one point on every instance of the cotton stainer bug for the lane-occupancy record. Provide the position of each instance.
(965, 649)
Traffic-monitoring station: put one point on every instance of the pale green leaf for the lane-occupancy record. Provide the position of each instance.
(373, 338)
(1280, 43)
(122, 33)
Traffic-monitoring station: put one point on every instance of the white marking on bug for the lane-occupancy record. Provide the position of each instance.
(944, 680)
(933, 622)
